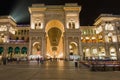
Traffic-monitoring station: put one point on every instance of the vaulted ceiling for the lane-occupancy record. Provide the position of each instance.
(54, 36)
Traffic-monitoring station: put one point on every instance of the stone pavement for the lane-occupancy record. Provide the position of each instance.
(53, 71)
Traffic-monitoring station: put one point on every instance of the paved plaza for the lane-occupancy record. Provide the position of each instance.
(56, 70)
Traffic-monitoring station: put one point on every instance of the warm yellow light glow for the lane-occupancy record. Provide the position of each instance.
(59, 25)
(87, 50)
(109, 26)
(12, 30)
(110, 34)
(81, 38)
(70, 46)
(3, 28)
(34, 56)
(60, 55)
(99, 29)
(48, 55)
(113, 54)
(114, 38)
(35, 43)
(87, 38)
(72, 21)
(112, 50)
(32, 26)
(1, 40)
(94, 51)
(93, 38)
(101, 54)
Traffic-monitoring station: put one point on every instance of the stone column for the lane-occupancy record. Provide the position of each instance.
(43, 42)
(117, 52)
(66, 47)
(4, 56)
(30, 47)
(63, 41)
(118, 56)
(80, 49)
(42, 49)
(5, 52)
(43, 46)
(107, 50)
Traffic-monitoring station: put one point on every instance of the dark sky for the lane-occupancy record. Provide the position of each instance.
(91, 9)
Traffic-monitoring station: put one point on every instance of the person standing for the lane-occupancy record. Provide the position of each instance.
(38, 60)
(4, 60)
(41, 60)
(76, 63)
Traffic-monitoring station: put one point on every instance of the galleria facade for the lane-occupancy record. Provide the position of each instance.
(55, 32)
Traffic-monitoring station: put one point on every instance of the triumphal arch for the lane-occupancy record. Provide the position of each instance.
(55, 30)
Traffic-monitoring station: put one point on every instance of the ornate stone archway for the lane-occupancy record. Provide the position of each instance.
(54, 37)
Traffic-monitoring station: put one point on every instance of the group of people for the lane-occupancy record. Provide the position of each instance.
(40, 60)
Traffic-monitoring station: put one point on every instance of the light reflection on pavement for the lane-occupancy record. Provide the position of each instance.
(56, 70)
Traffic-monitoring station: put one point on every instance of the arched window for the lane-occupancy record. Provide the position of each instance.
(1, 50)
(35, 25)
(27, 31)
(111, 37)
(100, 38)
(86, 53)
(10, 50)
(71, 25)
(3, 28)
(24, 50)
(109, 26)
(24, 32)
(99, 30)
(21, 32)
(94, 51)
(73, 47)
(17, 50)
(102, 53)
(36, 48)
(113, 53)
(40, 24)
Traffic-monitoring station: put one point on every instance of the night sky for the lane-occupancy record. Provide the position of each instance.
(91, 9)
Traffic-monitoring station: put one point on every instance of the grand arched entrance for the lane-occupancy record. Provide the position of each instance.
(73, 51)
(54, 38)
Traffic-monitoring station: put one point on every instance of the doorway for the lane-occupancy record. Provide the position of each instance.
(54, 38)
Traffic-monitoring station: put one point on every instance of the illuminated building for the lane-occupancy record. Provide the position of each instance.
(55, 32)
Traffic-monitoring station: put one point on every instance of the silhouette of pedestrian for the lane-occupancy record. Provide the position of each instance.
(4, 60)
(76, 63)
(38, 59)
